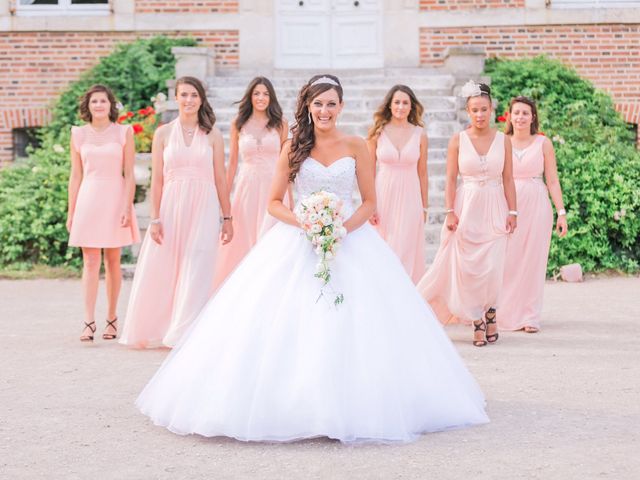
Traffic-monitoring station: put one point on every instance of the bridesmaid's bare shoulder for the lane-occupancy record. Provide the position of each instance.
(454, 141)
(215, 137)
(162, 131)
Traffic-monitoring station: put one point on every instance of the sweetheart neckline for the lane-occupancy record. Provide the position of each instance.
(332, 163)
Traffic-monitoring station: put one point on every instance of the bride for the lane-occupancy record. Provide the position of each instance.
(267, 361)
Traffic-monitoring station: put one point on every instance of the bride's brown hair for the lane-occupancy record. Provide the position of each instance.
(303, 137)
(383, 113)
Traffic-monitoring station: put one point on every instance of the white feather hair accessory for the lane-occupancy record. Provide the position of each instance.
(471, 89)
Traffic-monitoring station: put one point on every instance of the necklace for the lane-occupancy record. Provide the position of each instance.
(189, 132)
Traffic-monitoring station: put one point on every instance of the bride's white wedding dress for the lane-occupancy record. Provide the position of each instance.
(265, 361)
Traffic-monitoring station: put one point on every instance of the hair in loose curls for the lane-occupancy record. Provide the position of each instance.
(303, 136)
(245, 107)
(206, 117)
(383, 113)
(534, 114)
(85, 113)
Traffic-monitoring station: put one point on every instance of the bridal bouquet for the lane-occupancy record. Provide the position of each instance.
(321, 218)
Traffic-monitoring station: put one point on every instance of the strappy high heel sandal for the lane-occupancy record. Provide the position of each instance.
(479, 326)
(111, 336)
(89, 338)
(493, 338)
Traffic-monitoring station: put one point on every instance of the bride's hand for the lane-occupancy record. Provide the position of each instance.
(375, 219)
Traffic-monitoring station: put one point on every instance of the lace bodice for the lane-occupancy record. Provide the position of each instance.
(338, 178)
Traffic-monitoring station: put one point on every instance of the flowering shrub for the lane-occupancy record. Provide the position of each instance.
(598, 163)
(144, 123)
(33, 194)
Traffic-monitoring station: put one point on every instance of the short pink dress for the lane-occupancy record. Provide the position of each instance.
(399, 201)
(259, 155)
(101, 197)
(466, 275)
(528, 247)
(172, 281)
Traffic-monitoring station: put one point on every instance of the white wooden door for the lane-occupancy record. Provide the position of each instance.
(328, 34)
(356, 31)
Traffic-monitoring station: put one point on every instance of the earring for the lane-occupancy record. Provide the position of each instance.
(309, 117)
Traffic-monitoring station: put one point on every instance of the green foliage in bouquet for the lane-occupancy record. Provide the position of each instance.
(33, 193)
(598, 163)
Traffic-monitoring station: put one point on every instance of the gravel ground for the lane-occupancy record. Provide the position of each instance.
(564, 403)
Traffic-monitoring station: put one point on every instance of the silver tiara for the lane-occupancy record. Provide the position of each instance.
(328, 80)
(471, 89)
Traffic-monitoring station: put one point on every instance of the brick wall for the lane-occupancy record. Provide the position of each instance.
(432, 5)
(608, 55)
(180, 6)
(36, 66)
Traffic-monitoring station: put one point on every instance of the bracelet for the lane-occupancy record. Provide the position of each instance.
(224, 219)
(513, 212)
(154, 221)
(449, 210)
(562, 212)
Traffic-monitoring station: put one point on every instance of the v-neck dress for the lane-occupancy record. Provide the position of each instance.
(399, 201)
(466, 275)
(173, 280)
(528, 247)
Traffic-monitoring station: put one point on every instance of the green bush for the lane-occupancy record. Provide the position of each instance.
(134, 71)
(33, 211)
(598, 163)
(33, 194)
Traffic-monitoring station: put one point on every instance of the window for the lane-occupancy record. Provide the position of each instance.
(23, 138)
(594, 3)
(63, 7)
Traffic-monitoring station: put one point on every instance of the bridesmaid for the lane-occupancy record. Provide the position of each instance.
(398, 143)
(256, 134)
(175, 267)
(466, 276)
(100, 213)
(528, 248)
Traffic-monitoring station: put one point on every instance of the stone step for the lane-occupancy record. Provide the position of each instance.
(412, 77)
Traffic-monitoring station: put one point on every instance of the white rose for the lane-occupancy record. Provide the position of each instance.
(316, 228)
(314, 217)
(337, 223)
(328, 255)
(326, 219)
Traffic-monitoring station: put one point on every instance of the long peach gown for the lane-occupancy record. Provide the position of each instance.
(466, 276)
(528, 247)
(400, 201)
(101, 197)
(259, 155)
(173, 280)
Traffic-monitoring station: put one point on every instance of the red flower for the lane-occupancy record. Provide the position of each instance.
(502, 119)
(541, 133)
(122, 118)
(129, 114)
(146, 111)
(137, 128)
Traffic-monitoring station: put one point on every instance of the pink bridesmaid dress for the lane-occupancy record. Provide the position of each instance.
(173, 280)
(400, 201)
(528, 247)
(466, 276)
(101, 197)
(259, 154)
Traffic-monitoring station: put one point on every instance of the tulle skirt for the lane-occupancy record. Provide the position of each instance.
(268, 360)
